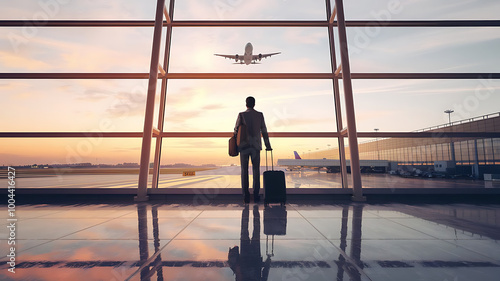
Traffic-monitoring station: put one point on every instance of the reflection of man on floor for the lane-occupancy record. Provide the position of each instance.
(247, 265)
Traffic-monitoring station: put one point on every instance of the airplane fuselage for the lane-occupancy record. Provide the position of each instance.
(247, 57)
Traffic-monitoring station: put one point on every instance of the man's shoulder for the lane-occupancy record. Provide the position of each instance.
(253, 111)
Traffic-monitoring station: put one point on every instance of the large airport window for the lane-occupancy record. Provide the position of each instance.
(204, 92)
(213, 105)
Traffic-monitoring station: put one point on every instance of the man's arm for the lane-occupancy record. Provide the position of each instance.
(265, 135)
(237, 124)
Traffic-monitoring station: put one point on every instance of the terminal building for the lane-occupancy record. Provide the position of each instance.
(472, 156)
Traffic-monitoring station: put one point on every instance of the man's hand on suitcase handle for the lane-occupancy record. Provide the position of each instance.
(268, 149)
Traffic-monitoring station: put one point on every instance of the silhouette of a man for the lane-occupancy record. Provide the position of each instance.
(246, 262)
(251, 147)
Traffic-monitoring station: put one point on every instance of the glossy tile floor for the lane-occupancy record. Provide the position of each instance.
(311, 241)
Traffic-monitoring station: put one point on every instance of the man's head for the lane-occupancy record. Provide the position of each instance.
(250, 102)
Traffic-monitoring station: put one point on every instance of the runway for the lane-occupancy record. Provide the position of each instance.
(229, 177)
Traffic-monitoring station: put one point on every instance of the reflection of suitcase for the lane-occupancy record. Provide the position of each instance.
(275, 220)
(274, 185)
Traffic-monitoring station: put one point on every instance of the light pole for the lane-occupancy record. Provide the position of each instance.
(449, 112)
(452, 145)
(376, 140)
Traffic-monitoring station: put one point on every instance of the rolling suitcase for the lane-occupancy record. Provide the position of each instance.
(274, 185)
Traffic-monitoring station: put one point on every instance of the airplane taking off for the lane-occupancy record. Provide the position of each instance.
(247, 58)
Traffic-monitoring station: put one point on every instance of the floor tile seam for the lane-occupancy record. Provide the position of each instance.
(343, 253)
(448, 241)
(113, 239)
(35, 246)
(41, 215)
(437, 223)
(262, 239)
(396, 239)
(150, 259)
(73, 218)
(52, 240)
(58, 212)
(350, 260)
(392, 220)
(84, 228)
(497, 262)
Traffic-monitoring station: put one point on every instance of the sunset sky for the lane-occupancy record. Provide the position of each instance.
(212, 105)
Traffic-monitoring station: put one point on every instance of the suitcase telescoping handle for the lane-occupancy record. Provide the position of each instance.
(272, 246)
(272, 162)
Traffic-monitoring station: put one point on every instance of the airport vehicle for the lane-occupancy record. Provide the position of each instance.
(247, 58)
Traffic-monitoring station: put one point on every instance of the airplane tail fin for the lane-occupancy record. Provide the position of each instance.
(296, 155)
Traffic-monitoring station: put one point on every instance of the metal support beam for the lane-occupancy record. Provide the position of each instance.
(162, 71)
(334, 14)
(349, 104)
(163, 100)
(336, 96)
(150, 105)
(167, 17)
(342, 133)
(338, 70)
(250, 23)
(438, 76)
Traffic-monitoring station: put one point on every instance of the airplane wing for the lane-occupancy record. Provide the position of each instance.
(233, 57)
(263, 56)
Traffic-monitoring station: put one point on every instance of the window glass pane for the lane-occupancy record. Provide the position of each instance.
(250, 10)
(385, 49)
(213, 105)
(397, 105)
(73, 162)
(76, 49)
(41, 10)
(426, 9)
(74, 105)
(302, 49)
(211, 153)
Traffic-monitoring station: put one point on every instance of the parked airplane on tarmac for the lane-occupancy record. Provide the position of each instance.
(248, 57)
(332, 165)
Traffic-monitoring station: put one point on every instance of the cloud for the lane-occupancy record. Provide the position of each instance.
(130, 149)
(425, 40)
(94, 95)
(184, 96)
(305, 36)
(213, 107)
(127, 104)
(11, 61)
(193, 143)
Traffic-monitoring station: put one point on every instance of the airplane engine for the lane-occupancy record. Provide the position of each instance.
(236, 58)
(260, 57)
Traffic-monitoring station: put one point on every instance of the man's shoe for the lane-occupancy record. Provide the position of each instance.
(247, 198)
